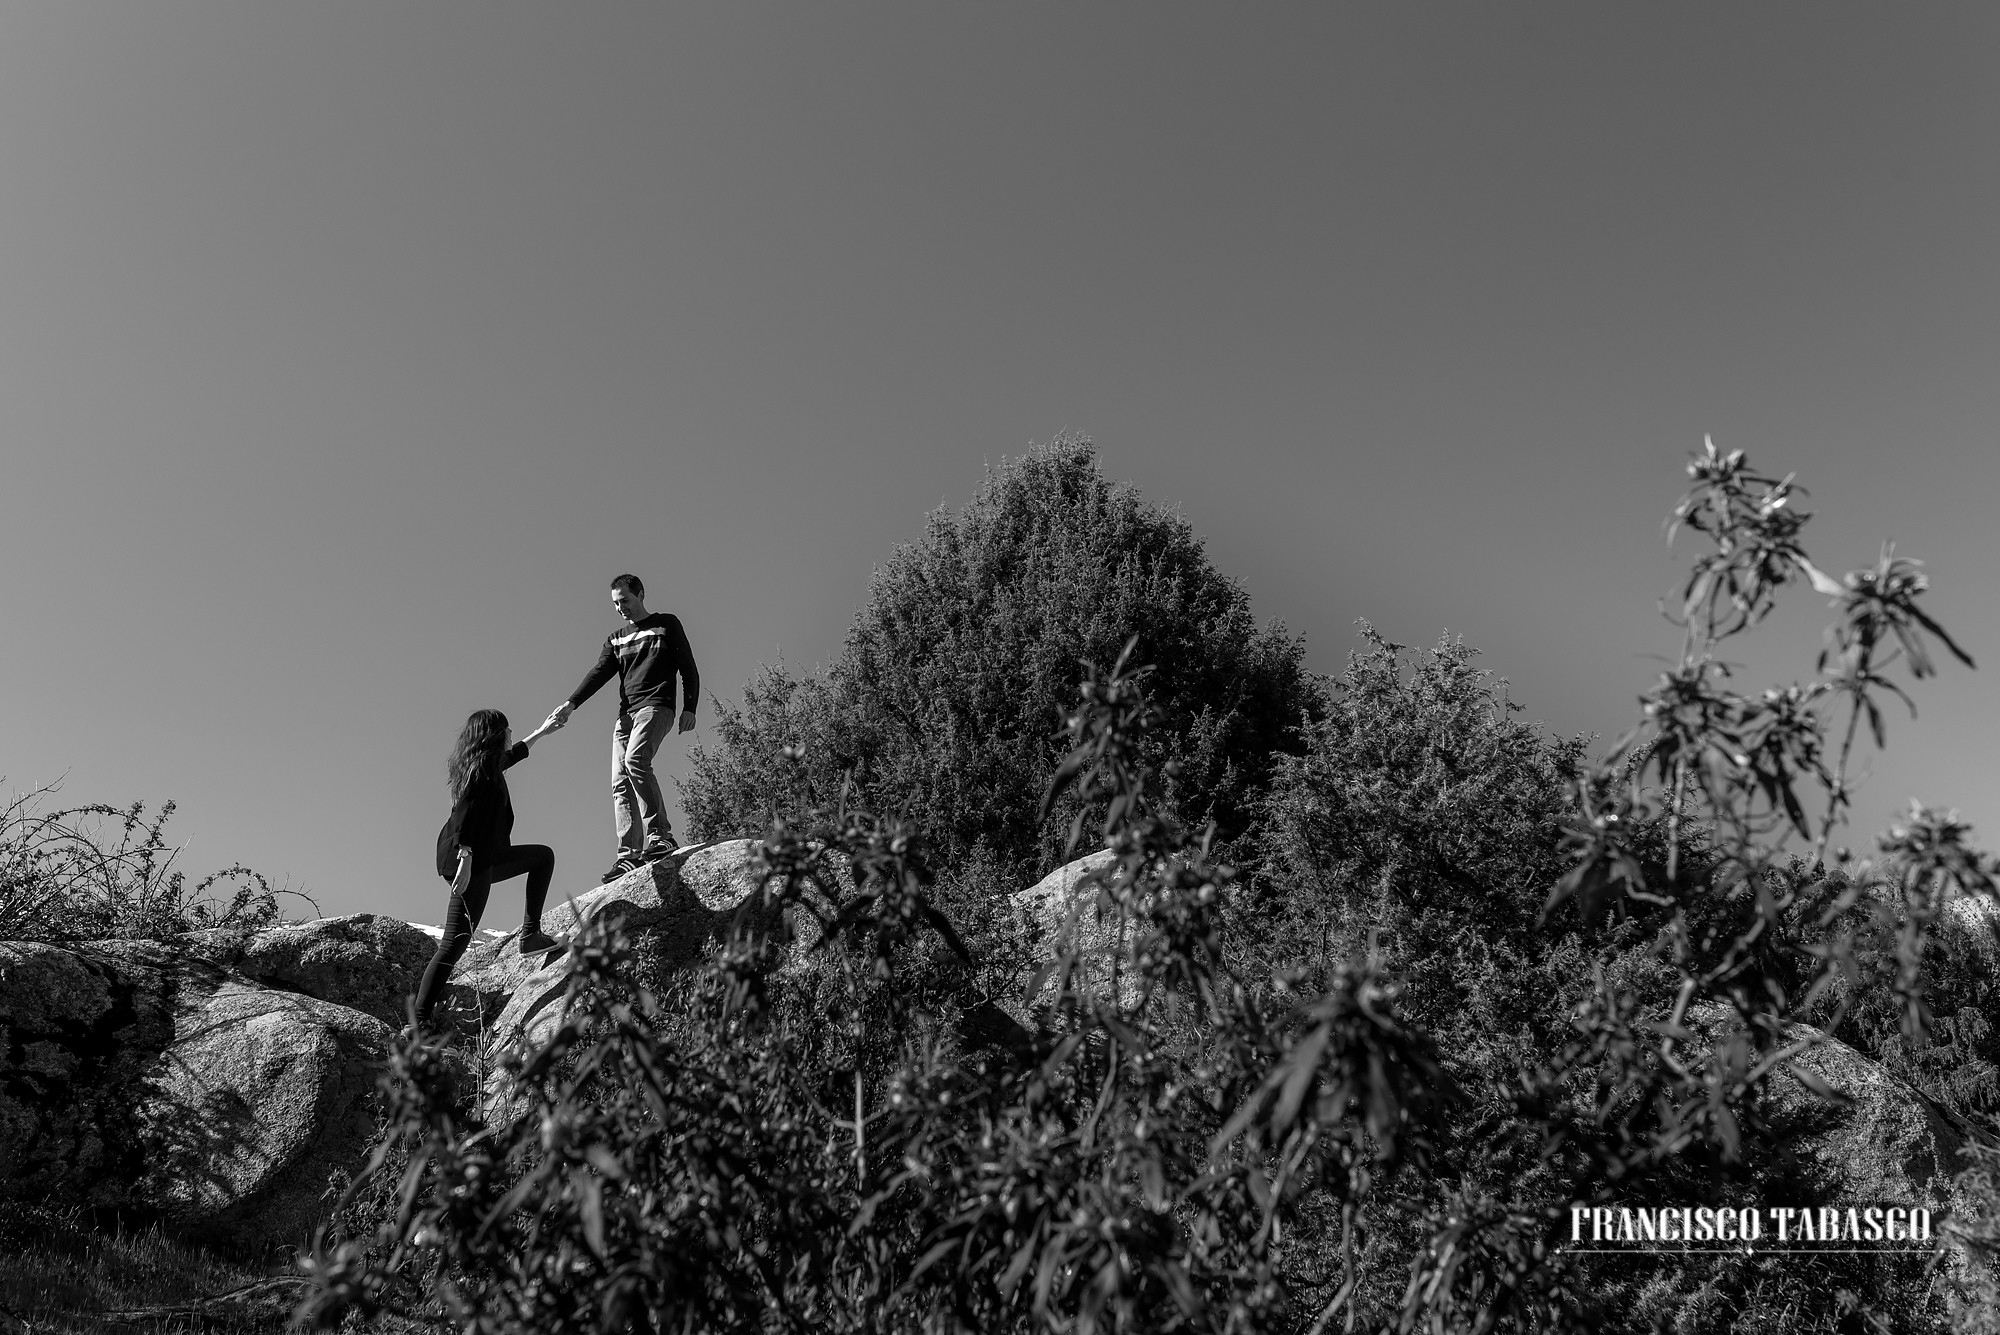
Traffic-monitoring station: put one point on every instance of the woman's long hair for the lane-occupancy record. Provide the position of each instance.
(477, 756)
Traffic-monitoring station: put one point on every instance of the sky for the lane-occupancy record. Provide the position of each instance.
(347, 351)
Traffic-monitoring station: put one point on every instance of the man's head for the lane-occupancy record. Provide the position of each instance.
(628, 595)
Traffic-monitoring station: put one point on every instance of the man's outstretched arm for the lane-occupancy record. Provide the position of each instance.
(602, 671)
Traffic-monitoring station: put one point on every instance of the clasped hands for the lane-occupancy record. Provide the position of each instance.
(557, 717)
(560, 715)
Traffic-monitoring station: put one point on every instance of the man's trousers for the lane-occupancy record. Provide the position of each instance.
(636, 803)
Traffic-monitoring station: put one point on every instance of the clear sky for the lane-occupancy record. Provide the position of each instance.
(347, 351)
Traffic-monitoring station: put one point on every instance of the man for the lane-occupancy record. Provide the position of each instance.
(645, 657)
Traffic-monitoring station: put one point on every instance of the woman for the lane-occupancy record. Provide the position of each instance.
(473, 848)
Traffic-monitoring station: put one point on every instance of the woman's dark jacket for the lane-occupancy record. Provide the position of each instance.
(482, 819)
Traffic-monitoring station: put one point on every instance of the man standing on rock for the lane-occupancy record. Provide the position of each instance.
(645, 657)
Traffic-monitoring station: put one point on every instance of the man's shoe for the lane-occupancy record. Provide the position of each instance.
(619, 868)
(653, 855)
(537, 941)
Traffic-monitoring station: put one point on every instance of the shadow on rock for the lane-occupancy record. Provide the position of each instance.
(141, 1081)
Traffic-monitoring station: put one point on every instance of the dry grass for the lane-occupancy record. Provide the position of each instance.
(59, 1274)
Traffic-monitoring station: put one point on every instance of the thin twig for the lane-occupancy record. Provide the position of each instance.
(1836, 797)
(196, 1306)
(860, 1133)
(1674, 823)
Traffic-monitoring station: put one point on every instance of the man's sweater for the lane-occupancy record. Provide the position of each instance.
(645, 658)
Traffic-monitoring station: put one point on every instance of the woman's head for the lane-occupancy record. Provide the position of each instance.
(481, 743)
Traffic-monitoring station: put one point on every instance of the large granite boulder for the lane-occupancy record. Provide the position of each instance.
(720, 875)
(487, 974)
(726, 878)
(81, 1034)
(135, 1077)
(265, 1099)
(1060, 913)
(1882, 1140)
(680, 908)
(1060, 907)
(363, 961)
(677, 912)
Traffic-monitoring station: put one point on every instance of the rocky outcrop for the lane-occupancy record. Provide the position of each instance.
(1061, 909)
(363, 961)
(721, 876)
(1060, 913)
(683, 907)
(81, 1033)
(650, 900)
(1971, 922)
(718, 876)
(1892, 1143)
(134, 1076)
(491, 968)
(1881, 1140)
(225, 1081)
(264, 1099)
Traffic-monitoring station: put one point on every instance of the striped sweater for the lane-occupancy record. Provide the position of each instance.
(645, 657)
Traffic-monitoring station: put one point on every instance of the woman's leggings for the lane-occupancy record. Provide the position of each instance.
(537, 860)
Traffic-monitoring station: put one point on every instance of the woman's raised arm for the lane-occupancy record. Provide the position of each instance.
(549, 725)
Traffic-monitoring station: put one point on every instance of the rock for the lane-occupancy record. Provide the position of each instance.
(1062, 909)
(365, 962)
(727, 875)
(642, 898)
(723, 875)
(1061, 915)
(487, 974)
(135, 1077)
(265, 1099)
(985, 1023)
(80, 1033)
(1972, 921)
(718, 876)
(681, 908)
(677, 912)
(1890, 1143)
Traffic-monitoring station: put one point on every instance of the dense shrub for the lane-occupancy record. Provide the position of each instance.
(1418, 791)
(1422, 828)
(948, 698)
(94, 872)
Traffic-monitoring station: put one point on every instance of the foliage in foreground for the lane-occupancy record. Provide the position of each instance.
(949, 694)
(94, 872)
(1302, 1104)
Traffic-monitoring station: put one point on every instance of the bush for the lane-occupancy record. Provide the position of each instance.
(1419, 790)
(948, 698)
(1422, 827)
(96, 872)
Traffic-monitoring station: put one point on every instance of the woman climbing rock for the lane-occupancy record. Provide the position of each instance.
(474, 848)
